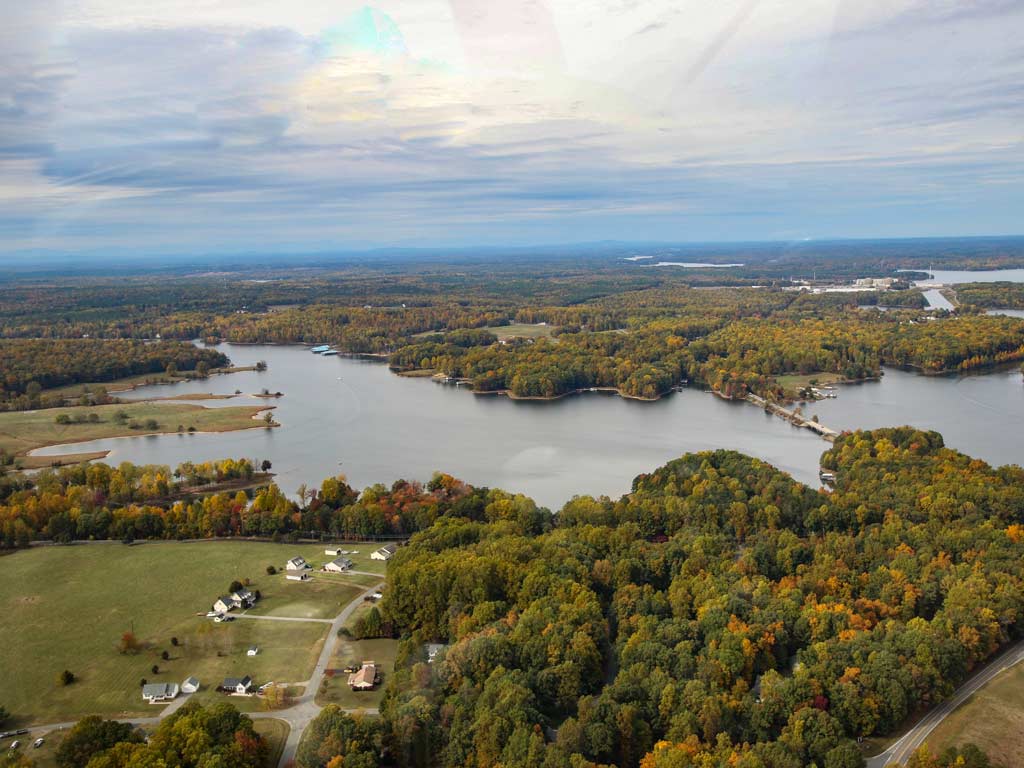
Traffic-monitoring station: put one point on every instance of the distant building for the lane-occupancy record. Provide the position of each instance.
(365, 678)
(152, 692)
(339, 565)
(191, 685)
(385, 552)
(333, 551)
(297, 576)
(243, 598)
(237, 684)
(297, 564)
(253, 650)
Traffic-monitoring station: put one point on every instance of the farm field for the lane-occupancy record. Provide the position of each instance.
(993, 719)
(50, 595)
(23, 431)
(335, 690)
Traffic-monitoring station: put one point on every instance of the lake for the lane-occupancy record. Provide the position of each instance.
(954, 276)
(356, 417)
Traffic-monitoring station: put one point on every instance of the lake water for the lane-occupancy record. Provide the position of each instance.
(954, 276)
(356, 417)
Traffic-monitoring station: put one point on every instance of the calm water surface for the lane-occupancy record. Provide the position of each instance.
(356, 417)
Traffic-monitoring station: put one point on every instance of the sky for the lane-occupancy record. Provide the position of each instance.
(233, 126)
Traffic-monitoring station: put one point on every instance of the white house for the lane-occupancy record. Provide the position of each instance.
(385, 552)
(297, 576)
(243, 598)
(433, 650)
(152, 692)
(297, 564)
(365, 678)
(191, 685)
(237, 684)
(333, 551)
(224, 604)
(338, 565)
(253, 650)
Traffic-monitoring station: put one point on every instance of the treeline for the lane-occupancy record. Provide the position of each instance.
(30, 366)
(192, 737)
(719, 615)
(991, 295)
(129, 502)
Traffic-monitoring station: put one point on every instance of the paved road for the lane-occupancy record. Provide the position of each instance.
(298, 716)
(901, 751)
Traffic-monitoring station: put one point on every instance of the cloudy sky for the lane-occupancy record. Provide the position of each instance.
(205, 126)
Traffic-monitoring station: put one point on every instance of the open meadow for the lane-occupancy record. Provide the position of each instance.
(67, 608)
(993, 719)
(23, 431)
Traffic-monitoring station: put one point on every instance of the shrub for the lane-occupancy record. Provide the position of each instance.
(65, 678)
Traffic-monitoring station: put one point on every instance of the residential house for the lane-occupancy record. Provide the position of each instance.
(365, 678)
(191, 685)
(152, 692)
(296, 564)
(243, 598)
(253, 650)
(333, 551)
(241, 685)
(224, 604)
(385, 552)
(339, 565)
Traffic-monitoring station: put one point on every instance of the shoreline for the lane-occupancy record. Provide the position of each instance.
(62, 459)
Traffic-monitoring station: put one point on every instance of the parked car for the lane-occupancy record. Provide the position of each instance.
(6, 734)
(15, 744)
(38, 743)
(21, 732)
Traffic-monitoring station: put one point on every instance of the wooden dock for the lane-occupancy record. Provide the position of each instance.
(794, 417)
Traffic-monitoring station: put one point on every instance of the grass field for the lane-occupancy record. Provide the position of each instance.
(66, 608)
(22, 431)
(795, 381)
(993, 718)
(521, 330)
(322, 597)
(275, 732)
(335, 690)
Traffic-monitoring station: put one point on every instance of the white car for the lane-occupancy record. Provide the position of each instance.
(218, 618)
(15, 744)
(38, 743)
(211, 614)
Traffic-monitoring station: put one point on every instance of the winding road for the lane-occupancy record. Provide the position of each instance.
(299, 715)
(900, 752)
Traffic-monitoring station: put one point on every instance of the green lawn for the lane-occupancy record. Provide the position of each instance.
(335, 690)
(521, 330)
(22, 431)
(993, 718)
(66, 608)
(796, 381)
(322, 597)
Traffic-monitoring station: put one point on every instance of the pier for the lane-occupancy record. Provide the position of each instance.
(794, 417)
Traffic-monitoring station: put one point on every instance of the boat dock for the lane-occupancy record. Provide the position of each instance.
(794, 417)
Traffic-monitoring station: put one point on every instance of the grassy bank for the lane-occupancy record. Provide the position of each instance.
(23, 431)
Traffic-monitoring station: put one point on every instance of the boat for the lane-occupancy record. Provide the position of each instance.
(321, 349)
(329, 352)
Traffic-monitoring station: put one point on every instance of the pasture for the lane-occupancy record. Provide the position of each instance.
(67, 607)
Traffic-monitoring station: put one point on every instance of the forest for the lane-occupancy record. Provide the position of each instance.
(641, 335)
(719, 614)
(28, 367)
(991, 295)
